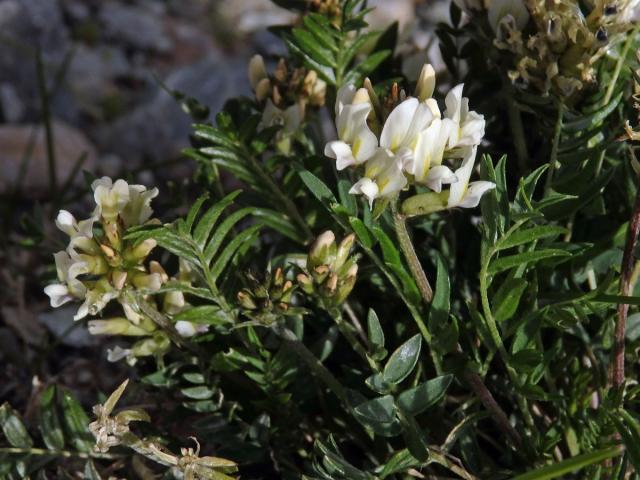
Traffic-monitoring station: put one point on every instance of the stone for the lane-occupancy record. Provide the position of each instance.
(60, 323)
(249, 16)
(11, 107)
(139, 27)
(28, 141)
(159, 129)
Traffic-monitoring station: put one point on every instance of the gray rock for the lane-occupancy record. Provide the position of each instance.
(135, 26)
(159, 129)
(10, 104)
(62, 326)
(20, 142)
(26, 26)
(93, 70)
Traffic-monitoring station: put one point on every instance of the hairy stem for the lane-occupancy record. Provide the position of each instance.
(617, 372)
(400, 224)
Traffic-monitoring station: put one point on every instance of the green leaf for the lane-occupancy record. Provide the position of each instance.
(77, 422)
(280, 223)
(376, 334)
(440, 305)
(571, 464)
(400, 462)
(418, 399)
(310, 45)
(505, 263)
(390, 253)
(584, 122)
(243, 239)
(198, 393)
(50, 425)
(367, 66)
(203, 314)
(91, 472)
(13, 428)
(361, 231)
(520, 237)
(221, 232)
(317, 187)
(193, 212)
(209, 219)
(507, 298)
(526, 360)
(403, 360)
(378, 410)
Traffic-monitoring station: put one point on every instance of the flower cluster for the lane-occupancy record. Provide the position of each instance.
(412, 145)
(285, 95)
(100, 265)
(330, 271)
(265, 300)
(561, 51)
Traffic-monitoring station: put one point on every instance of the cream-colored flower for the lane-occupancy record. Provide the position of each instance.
(356, 142)
(462, 193)
(110, 197)
(509, 10)
(383, 177)
(468, 127)
(427, 168)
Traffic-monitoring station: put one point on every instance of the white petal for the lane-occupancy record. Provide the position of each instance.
(185, 329)
(344, 96)
(117, 353)
(458, 189)
(474, 193)
(426, 82)
(58, 294)
(498, 9)
(367, 187)
(391, 181)
(341, 152)
(430, 148)
(351, 120)
(453, 101)
(438, 176)
(397, 125)
(63, 262)
(472, 130)
(67, 223)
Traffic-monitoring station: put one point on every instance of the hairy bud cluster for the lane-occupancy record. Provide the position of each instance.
(285, 95)
(331, 271)
(265, 300)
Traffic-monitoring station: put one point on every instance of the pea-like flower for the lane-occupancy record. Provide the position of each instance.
(356, 142)
(415, 140)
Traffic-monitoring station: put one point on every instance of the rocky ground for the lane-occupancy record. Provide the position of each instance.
(98, 69)
(103, 61)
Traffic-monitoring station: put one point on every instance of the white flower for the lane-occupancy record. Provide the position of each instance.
(462, 193)
(514, 10)
(189, 329)
(110, 197)
(96, 299)
(117, 353)
(383, 177)
(403, 125)
(66, 222)
(426, 82)
(68, 289)
(356, 142)
(469, 125)
(427, 165)
(138, 209)
(290, 119)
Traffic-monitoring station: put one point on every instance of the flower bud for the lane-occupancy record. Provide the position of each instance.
(323, 250)
(361, 96)
(257, 70)
(140, 251)
(343, 251)
(115, 326)
(426, 83)
(263, 89)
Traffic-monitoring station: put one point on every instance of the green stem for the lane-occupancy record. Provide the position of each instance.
(290, 207)
(345, 330)
(517, 131)
(553, 157)
(46, 119)
(59, 453)
(400, 224)
(312, 362)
